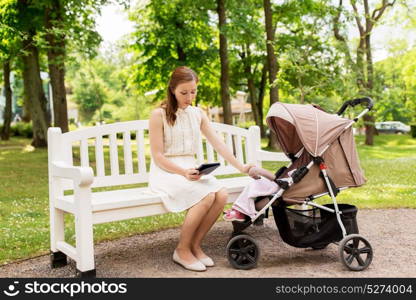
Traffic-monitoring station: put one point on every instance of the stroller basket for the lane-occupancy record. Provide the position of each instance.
(314, 227)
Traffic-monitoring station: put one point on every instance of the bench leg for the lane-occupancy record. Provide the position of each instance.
(58, 259)
(84, 241)
(57, 226)
(86, 274)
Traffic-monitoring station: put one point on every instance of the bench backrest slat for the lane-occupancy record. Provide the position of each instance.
(141, 158)
(106, 139)
(128, 161)
(229, 141)
(239, 148)
(114, 155)
(210, 153)
(85, 161)
(99, 156)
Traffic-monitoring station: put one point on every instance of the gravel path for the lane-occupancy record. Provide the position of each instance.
(392, 234)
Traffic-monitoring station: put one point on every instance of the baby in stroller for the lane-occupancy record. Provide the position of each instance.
(250, 201)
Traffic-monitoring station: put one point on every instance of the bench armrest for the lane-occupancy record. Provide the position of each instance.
(83, 176)
(271, 156)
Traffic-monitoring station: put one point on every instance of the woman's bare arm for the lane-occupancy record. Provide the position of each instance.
(156, 144)
(220, 146)
(256, 172)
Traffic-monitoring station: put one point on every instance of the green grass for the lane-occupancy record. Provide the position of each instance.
(24, 209)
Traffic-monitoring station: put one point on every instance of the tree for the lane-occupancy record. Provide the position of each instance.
(44, 26)
(397, 86)
(166, 38)
(271, 61)
(8, 47)
(101, 87)
(225, 93)
(24, 20)
(67, 20)
(365, 20)
(247, 54)
(309, 64)
(34, 91)
(271, 55)
(90, 94)
(55, 36)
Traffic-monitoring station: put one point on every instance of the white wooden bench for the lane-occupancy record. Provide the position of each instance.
(90, 207)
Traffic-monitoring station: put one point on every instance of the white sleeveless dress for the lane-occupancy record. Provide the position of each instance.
(180, 146)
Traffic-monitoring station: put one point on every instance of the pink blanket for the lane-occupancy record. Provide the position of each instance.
(259, 187)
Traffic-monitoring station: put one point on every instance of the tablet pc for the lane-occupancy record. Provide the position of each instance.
(205, 169)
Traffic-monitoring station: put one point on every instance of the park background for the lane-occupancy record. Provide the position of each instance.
(58, 71)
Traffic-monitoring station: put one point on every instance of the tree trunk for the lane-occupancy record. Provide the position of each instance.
(271, 62)
(369, 129)
(370, 67)
(251, 87)
(252, 96)
(56, 64)
(365, 77)
(34, 91)
(360, 65)
(369, 118)
(27, 106)
(271, 56)
(179, 49)
(7, 116)
(181, 55)
(262, 89)
(225, 93)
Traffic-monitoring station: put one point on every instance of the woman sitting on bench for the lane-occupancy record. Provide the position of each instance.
(174, 130)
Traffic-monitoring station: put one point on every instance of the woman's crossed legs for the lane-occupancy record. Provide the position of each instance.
(198, 221)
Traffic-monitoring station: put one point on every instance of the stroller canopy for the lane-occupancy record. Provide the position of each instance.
(314, 128)
(300, 126)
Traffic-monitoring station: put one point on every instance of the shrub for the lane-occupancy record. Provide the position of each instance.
(22, 129)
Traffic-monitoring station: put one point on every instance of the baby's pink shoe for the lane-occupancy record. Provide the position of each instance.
(234, 215)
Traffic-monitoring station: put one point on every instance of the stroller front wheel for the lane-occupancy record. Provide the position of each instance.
(356, 252)
(243, 252)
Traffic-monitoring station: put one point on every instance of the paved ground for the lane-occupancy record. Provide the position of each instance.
(392, 234)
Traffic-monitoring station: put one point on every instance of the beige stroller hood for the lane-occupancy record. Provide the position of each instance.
(304, 126)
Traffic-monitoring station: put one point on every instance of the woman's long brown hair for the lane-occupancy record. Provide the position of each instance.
(179, 75)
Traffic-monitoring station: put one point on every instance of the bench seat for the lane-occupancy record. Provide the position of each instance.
(143, 196)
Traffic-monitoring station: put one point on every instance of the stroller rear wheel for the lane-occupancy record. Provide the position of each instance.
(243, 252)
(356, 252)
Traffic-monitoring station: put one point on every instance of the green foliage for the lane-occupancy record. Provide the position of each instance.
(309, 64)
(396, 86)
(89, 94)
(170, 33)
(21, 129)
(174, 33)
(117, 99)
(247, 47)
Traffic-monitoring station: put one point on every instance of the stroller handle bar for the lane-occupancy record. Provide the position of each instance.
(366, 100)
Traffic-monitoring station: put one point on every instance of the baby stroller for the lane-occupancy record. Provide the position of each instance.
(324, 161)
